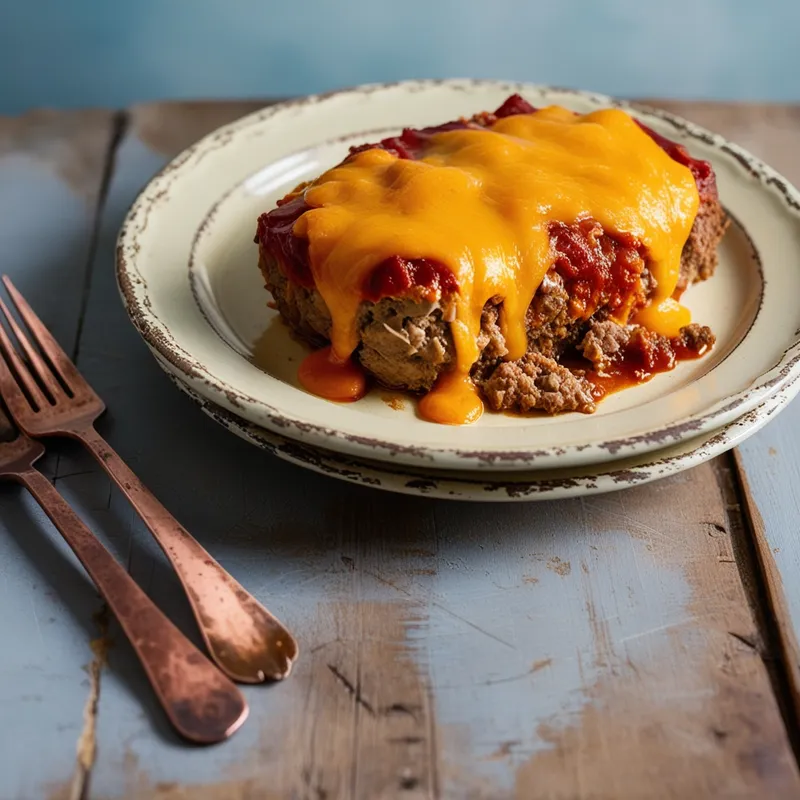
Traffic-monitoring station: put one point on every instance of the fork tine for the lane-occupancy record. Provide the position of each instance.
(38, 364)
(50, 347)
(9, 388)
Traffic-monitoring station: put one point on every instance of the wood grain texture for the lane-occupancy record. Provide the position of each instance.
(168, 128)
(51, 171)
(597, 648)
(769, 462)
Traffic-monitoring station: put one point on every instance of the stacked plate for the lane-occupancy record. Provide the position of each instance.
(187, 272)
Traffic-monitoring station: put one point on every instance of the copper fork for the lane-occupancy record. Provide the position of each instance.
(51, 398)
(202, 704)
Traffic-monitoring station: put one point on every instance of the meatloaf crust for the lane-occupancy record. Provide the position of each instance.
(405, 341)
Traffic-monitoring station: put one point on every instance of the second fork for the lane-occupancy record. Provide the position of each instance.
(51, 398)
(202, 704)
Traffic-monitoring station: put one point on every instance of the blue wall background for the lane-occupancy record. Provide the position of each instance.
(104, 52)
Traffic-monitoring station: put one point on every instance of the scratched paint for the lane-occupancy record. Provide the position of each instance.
(615, 604)
(655, 710)
(32, 197)
(771, 459)
(71, 147)
(397, 597)
(46, 624)
(47, 602)
(771, 462)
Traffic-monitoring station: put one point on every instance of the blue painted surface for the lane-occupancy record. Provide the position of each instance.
(530, 627)
(513, 616)
(111, 54)
(46, 601)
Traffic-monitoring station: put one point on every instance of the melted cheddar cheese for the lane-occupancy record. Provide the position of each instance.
(480, 201)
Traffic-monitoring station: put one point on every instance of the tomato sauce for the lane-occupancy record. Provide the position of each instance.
(598, 269)
(588, 272)
(396, 277)
(643, 358)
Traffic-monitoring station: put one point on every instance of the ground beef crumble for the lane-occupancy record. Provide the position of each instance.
(608, 345)
(537, 382)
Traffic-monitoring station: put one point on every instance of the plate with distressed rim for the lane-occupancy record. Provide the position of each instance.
(500, 487)
(186, 267)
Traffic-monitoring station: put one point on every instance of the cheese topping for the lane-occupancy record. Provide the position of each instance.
(480, 202)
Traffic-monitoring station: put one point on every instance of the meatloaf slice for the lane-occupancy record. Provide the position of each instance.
(404, 335)
(405, 342)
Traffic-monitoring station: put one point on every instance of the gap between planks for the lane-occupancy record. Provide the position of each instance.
(755, 563)
(86, 746)
(119, 126)
(770, 131)
(762, 582)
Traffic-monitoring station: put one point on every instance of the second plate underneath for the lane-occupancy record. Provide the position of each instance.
(519, 486)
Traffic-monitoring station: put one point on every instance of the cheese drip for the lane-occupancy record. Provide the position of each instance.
(480, 201)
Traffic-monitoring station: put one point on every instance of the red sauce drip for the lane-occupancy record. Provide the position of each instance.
(597, 269)
(397, 276)
(702, 170)
(592, 268)
(642, 359)
(274, 233)
(513, 105)
(411, 142)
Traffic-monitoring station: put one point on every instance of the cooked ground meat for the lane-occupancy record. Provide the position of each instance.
(699, 257)
(604, 343)
(696, 337)
(549, 318)
(490, 340)
(303, 309)
(551, 328)
(405, 341)
(537, 382)
(607, 344)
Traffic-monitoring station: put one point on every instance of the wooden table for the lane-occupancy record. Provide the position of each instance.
(637, 644)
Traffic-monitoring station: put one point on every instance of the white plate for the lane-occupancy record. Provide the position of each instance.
(501, 487)
(202, 209)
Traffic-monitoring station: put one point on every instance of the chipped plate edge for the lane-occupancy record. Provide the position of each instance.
(514, 487)
(177, 362)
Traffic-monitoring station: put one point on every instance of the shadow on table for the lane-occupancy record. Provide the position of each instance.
(293, 538)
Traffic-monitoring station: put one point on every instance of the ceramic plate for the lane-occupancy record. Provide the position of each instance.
(187, 271)
(501, 487)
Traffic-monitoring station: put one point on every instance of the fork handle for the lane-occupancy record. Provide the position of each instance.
(244, 639)
(202, 704)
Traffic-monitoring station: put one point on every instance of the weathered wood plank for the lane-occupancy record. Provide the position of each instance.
(51, 170)
(575, 649)
(769, 463)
